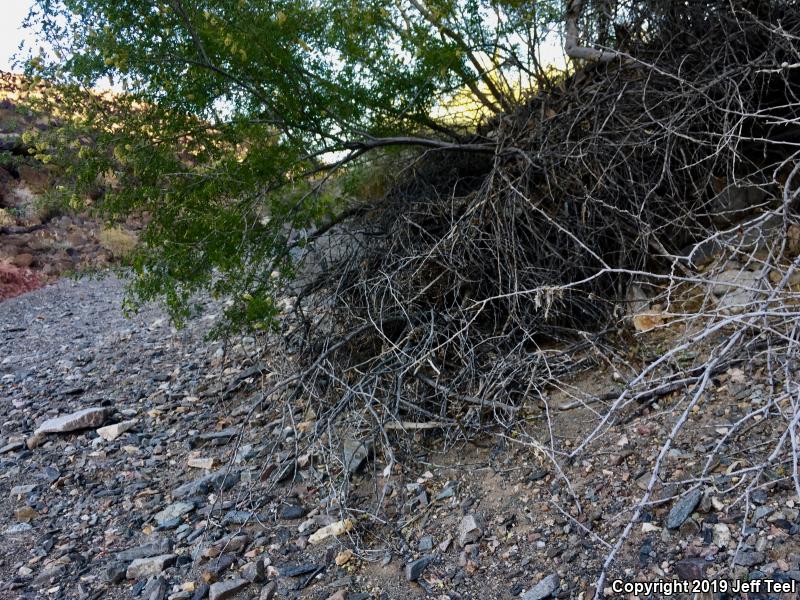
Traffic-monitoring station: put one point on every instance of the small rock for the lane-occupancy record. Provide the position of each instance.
(298, 570)
(20, 491)
(355, 453)
(154, 548)
(11, 447)
(155, 589)
(208, 463)
(415, 568)
(111, 432)
(115, 573)
(82, 419)
(332, 530)
(759, 496)
(173, 511)
(691, 569)
(293, 511)
(237, 517)
(147, 567)
(543, 589)
(226, 589)
(343, 557)
(721, 537)
(17, 529)
(468, 531)
(217, 567)
(254, 571)
(217, 481)
(201, 591)
(268, 591)
(425, 544)
(683, 508)
(762, 511)
(340, 595)
(748, 558)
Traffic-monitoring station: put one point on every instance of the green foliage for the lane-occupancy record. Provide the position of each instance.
(232, 110)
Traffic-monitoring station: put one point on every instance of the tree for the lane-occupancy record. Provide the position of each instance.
(234, 114)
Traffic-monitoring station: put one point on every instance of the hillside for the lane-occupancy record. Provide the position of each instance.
(39, 239)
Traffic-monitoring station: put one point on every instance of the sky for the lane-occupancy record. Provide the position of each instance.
(12, 12)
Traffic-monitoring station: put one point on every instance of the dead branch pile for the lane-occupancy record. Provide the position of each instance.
(480, 280)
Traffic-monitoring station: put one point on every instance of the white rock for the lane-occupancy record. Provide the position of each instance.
(721, 536)
(111, 432)
(82, 419)
(332, 530)
(203, 462)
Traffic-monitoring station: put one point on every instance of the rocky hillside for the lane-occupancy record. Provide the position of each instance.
(39, 240)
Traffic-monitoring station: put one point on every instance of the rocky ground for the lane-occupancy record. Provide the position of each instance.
(138, 461)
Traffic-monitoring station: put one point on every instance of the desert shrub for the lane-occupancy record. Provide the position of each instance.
(116, 240)
(7, 218)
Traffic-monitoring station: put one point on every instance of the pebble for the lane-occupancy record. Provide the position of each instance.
(203, 462)
(155, 589)
(543, 589)
(293, 511)
(721, 536)
(201, 591)
(11, 447)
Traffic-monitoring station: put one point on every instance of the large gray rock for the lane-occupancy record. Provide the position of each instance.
(82, 419)
(148, 567)
(543, 589)
(734, 280)
(226, 589)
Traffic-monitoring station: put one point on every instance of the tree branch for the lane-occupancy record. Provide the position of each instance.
(571, 44)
